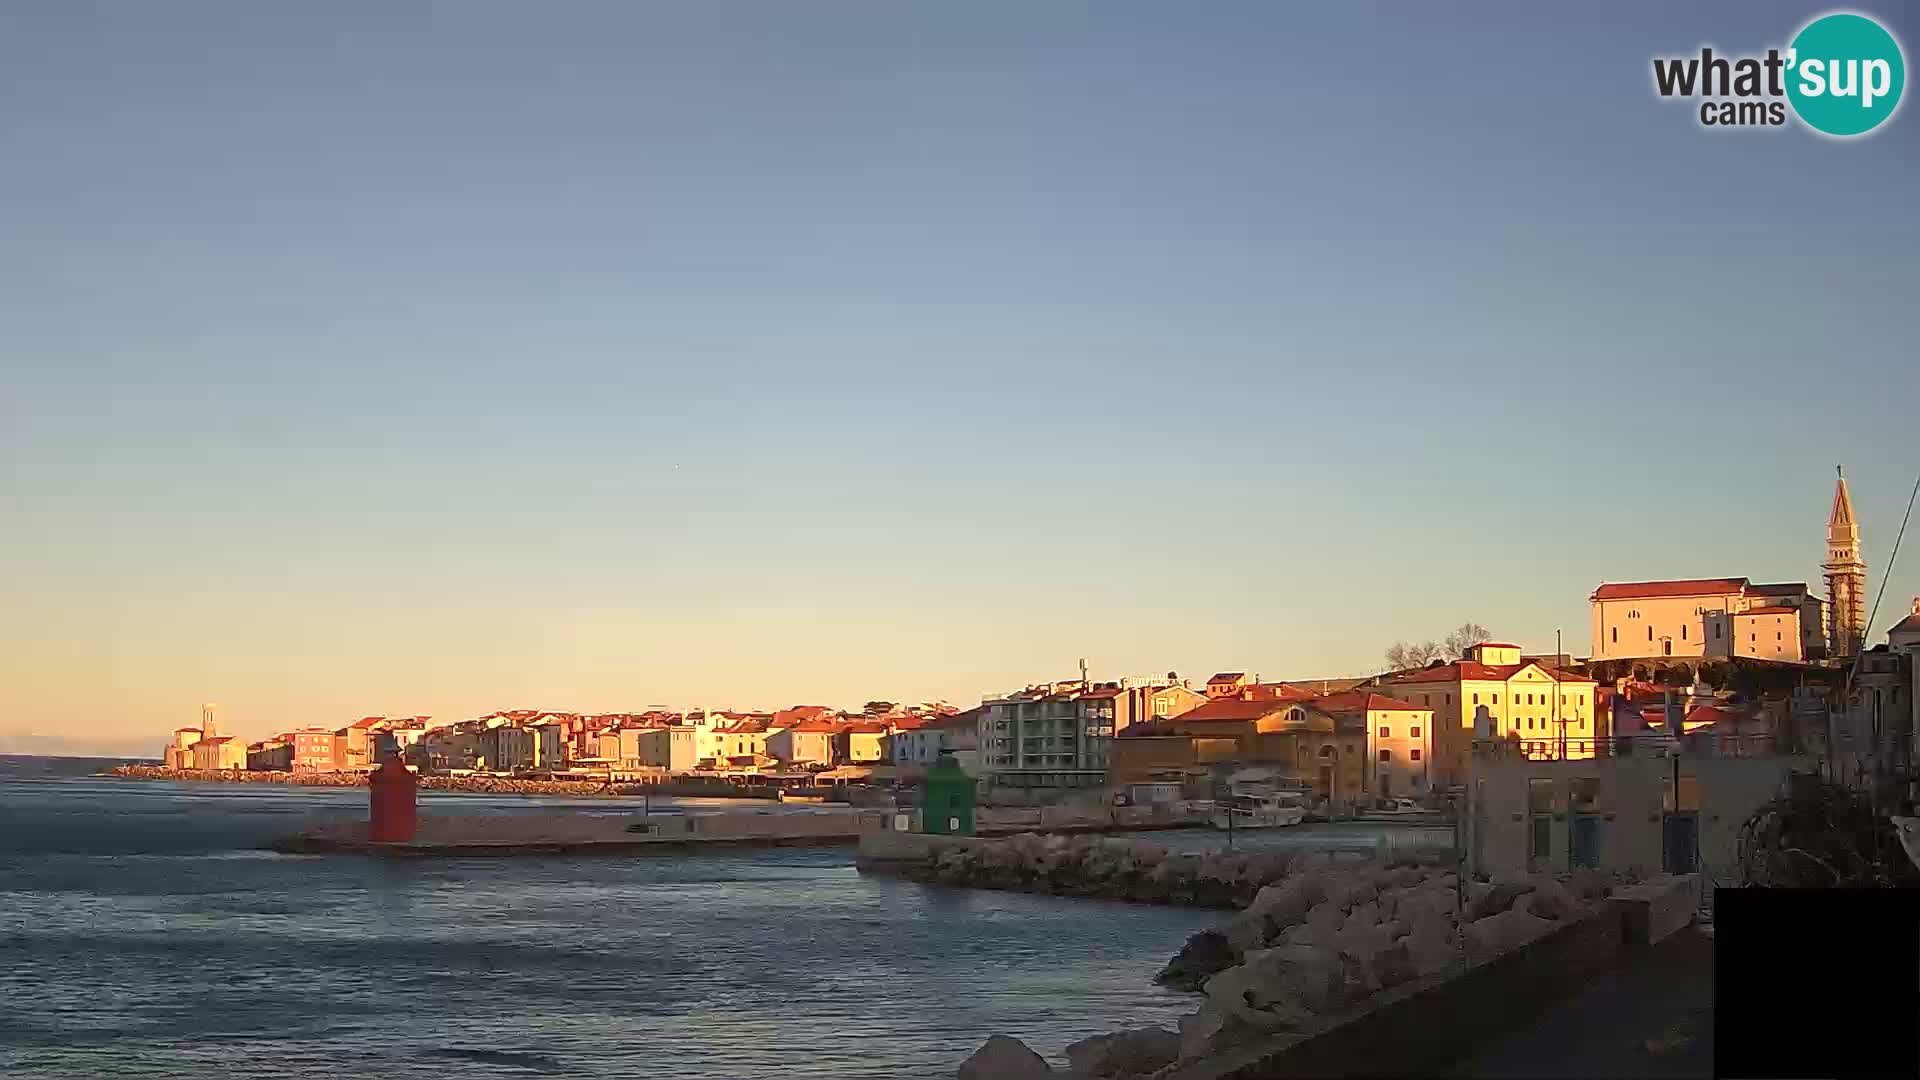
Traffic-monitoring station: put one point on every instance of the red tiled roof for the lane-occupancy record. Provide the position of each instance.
(1228, 676)
(910, 723)
(1474, 670)
(1109, 692)
(960, 721)
(1233, 708)
(366, 722)
(1767, 611)
(1363, 700)
(1631, 590)
(827, 727)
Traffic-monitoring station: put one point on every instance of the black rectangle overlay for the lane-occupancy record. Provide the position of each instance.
(1816, 983)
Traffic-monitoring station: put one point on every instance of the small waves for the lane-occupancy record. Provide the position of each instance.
(515, 1059)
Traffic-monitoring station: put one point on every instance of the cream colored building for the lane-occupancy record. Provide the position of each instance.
(1399, 739)
(1764, 633)
(1173, 700)
(809, 742)
(220, 752)
(1703, 617)
(1510, 697)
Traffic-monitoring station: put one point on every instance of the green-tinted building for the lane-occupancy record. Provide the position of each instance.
(949, 799)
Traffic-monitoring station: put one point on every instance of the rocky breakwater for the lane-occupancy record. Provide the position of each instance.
(1315, 949)
(1100, 868)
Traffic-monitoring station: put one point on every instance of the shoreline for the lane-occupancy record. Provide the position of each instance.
(472, 785)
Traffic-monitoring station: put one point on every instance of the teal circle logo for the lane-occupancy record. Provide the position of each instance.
(1845, 74)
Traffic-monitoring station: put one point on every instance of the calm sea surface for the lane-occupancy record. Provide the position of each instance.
(143, 933)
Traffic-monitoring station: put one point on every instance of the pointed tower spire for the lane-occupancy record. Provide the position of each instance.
(1846, 576)
(1842, 516)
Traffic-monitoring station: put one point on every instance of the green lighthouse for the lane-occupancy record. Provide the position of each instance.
(949, 800)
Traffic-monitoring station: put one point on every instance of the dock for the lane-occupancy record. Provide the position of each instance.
(572, 831)
(578, 833)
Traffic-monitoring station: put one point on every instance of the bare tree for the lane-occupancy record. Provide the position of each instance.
(1406, 655)
(1465, 637)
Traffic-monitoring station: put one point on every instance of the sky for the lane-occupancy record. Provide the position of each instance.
(433, 358)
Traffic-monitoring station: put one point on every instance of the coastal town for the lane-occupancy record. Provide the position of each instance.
(1764, 673)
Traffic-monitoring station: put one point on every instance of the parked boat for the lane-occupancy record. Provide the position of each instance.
(1275, 811)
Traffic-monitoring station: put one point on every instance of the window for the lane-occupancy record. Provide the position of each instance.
(1386, 733)
(1415, 732)
(1616, 635)
(1683, 631)
(1649, 633)
(1447, 699)
(1414, 754)
(1496, 699)
(1386, 755)
(1476, 699)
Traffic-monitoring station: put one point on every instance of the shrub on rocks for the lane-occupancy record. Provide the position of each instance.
(1004, 1058)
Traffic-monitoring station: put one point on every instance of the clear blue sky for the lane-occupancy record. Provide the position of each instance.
(437, 357)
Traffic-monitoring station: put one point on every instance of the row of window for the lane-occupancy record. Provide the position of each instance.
(1544, 699)
(1387, 755)
(1412, 733)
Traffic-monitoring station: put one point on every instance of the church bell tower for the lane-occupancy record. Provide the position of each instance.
(1846, 577)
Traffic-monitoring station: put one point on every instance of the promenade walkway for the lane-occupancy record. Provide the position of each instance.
(1652, 1016)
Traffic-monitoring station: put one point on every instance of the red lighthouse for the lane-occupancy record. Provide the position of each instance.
(393, 793)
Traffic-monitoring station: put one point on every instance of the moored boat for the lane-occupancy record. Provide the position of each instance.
(1272, 811)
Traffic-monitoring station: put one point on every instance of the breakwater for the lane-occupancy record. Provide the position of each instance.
(482, 785)
(1106, 868)
(1340, 965)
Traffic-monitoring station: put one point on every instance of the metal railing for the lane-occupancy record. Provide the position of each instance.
(1627, 746)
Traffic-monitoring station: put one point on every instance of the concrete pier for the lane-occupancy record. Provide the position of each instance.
(537, 834)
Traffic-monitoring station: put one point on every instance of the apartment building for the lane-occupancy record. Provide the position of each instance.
(1058, 734)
